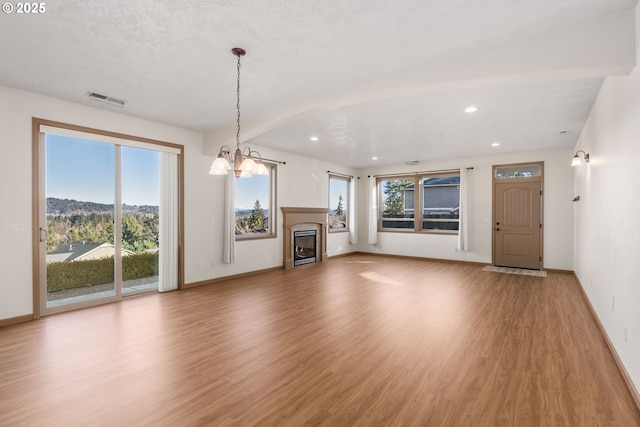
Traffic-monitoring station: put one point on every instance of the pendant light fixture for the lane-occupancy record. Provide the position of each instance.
(246, 161)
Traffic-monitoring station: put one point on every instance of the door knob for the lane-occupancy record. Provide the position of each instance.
(497, 229)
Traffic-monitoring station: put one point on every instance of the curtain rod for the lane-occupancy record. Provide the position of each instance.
(274, 161)
(418, 173)
(342, 174)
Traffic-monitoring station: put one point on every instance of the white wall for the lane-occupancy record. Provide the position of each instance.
(301, 182)
(558, 221)
(607, 218)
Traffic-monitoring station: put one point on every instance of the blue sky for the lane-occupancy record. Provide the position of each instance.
(84, 170)
(250, 189)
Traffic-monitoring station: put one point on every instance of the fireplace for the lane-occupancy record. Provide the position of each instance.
(297, 222)
(304, 247)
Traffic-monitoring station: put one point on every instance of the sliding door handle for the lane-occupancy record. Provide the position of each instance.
(44, 233)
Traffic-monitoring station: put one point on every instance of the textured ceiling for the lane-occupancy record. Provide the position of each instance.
(368, 77)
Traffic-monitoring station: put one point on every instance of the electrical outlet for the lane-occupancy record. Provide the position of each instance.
(197, 266)
(213, 264)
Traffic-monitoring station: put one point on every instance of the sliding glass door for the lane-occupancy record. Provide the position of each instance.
(107, 219)
(140, 219)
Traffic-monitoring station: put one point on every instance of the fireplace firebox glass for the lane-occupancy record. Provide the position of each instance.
(304, 247)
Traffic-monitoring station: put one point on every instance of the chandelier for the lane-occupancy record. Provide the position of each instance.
(246, 161)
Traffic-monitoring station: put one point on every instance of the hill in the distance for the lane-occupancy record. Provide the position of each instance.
(57, 206)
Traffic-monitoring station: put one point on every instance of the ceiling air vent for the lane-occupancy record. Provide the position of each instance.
(105, 98)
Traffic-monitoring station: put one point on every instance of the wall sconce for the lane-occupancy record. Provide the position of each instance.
(576, 159)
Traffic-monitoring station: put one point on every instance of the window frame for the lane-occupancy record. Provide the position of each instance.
(422, 219)
(40, 127)
(379, 181)
(346, 202)
(273, 173)
(418, 200)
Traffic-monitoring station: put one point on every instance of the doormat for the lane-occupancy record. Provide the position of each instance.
(511, 270)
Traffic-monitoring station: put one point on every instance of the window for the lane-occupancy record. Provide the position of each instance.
(441, 203)
(339, 203)
(518, 171)
(254, 202)
(438, 200)
(397, 203)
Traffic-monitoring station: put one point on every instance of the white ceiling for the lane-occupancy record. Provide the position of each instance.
(368, 77)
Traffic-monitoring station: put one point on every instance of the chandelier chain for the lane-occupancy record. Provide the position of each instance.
(243, 162)
(238, 105)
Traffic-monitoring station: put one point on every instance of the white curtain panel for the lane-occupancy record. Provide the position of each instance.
(229, 232)
(373, 211)
(353, 197)
(463, 243)
(168, 239)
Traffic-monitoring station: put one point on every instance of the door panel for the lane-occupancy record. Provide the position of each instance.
(140, 220)
(517, 232)
(79, 222)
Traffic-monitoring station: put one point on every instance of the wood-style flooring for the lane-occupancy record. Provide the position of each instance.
(358, 340)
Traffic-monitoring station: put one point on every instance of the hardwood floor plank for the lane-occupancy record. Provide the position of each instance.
(359, 340)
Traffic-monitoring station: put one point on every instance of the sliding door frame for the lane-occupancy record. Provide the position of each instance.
(36, 178)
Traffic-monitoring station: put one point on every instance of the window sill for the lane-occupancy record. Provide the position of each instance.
(338, 230)
(243, 238)
(446, 232)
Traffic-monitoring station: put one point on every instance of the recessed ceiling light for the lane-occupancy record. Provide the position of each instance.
(471, 109)
(314, 138)
(374, 158)
(495, 144)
